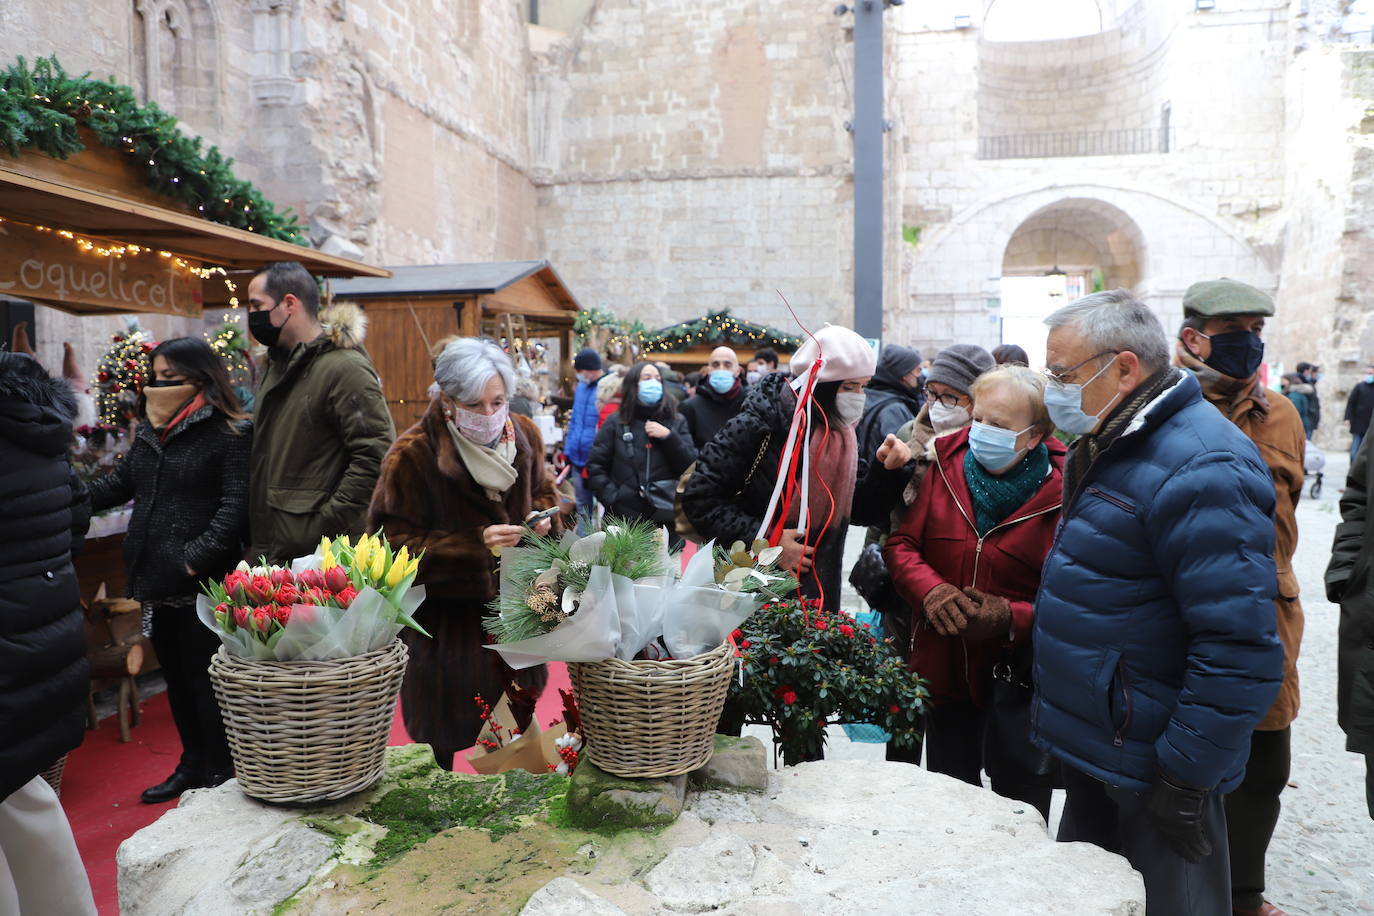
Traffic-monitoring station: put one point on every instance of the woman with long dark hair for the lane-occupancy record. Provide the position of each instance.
(641, 451)
(187, 474)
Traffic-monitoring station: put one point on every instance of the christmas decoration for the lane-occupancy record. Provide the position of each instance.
(231, 345)
(601, 330)
(119, 377)
(718, 329)
(42, 107)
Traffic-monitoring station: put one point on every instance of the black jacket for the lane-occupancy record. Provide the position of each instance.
(43, 671)
(888, 406)
(706, 411)
(727, 495)
(616, 468)
(1359, 407)
(190, 496)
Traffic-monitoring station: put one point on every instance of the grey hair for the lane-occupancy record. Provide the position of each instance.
(466, 365)
(1116, 320)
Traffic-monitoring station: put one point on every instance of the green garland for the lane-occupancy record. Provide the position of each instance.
(42, 107)
(589, 321)
(718, 328)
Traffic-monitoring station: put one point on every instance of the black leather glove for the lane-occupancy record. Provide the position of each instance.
(1177, 813)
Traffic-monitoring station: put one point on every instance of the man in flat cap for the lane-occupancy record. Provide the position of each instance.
(1221, 343)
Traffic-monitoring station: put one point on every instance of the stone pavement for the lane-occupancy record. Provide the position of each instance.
(1322, 856)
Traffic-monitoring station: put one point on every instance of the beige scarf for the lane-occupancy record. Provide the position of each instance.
(493, 467)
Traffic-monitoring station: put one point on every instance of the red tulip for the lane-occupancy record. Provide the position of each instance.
(280, 576)
(281, 613)
(240, 615)
(309, 578)
(262, 618)
(286, 594)
(235, 584)
(345, 597)
(260, 590)
(335, 579)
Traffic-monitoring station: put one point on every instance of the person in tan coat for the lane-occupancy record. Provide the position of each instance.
(460, 485)
(1220, 343)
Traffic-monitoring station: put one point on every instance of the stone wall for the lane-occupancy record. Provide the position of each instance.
(1210, 206)
(693, 156)
(397, 130)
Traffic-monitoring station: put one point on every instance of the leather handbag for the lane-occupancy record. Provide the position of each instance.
(658, 495)
(1008, 753)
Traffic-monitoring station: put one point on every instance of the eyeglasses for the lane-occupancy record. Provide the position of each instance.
(949, 401)
(1062, 377)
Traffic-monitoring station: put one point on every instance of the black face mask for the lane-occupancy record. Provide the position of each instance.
(1236, 353)
(166, 383)
(261, 327)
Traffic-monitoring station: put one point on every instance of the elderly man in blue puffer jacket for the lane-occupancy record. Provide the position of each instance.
(1155, 646)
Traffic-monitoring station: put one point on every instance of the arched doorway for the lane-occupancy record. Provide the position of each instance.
(1060, 252)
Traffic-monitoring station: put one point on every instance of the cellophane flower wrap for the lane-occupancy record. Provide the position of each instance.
(345, 599)
(613, 594)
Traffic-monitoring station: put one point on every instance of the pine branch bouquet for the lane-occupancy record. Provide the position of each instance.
(804, 668)
(569, 598)
(346, 599)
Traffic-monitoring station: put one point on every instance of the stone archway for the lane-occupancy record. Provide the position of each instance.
(953, 280)
(1064, 250)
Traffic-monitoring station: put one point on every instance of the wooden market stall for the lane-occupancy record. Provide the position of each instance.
(515, 301)
(687, 345)
(87, 236)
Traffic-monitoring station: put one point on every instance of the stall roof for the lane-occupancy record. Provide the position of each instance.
(98, 215)
(478, 279)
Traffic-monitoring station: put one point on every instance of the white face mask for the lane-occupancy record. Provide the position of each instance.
(849, 406)
(946, 418)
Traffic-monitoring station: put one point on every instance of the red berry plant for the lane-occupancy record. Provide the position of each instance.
(805, 668)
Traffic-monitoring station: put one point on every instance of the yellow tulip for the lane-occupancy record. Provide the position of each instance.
(398, 568)
(378, 565)
(414, 565)
(361, 553)
(325, 546)
(348, 545)
(328, 562)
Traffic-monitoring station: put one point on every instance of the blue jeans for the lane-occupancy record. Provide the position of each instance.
(1355, 440)
(586, 501)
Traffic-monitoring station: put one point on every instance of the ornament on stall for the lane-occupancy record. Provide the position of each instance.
(231, 344)
(120, 374)
(717, 329)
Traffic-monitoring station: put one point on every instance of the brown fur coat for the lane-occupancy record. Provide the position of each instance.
(427, 500)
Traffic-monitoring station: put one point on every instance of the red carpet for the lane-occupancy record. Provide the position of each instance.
(103, 780)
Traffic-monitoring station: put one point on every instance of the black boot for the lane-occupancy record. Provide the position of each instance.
(172, 787)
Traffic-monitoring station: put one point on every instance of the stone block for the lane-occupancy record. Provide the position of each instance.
(565, 897)
(736, 763)
(597, 800)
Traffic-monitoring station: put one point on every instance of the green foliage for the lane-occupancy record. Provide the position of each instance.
(41, 108)
(630, 548)
(589, 322)
(718, 328)
(804, 668)
(413, 814)
(911, 235)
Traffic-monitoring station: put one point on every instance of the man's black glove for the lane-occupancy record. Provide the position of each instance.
(1177, 813)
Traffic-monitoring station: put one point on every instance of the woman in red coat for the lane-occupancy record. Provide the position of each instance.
(967, 557)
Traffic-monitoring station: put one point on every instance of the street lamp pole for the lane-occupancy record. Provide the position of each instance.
(868, 128)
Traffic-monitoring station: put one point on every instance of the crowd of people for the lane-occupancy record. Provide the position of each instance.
(1090, 565)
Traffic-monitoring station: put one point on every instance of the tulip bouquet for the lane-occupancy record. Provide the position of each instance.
(343, 600)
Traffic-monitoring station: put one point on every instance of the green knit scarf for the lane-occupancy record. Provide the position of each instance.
(995, 497)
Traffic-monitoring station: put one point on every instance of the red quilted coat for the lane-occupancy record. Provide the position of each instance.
(937, 543)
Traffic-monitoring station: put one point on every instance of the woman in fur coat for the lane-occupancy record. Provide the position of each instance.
(460, 485)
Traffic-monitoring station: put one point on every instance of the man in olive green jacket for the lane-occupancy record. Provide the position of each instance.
(321, 424)
(1348, 584)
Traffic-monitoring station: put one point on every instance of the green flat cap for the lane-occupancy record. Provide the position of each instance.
(1213, 298)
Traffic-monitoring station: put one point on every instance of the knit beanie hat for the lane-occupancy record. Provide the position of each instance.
(847, 355)
(898, 360)
(958, 365)
(587, 358)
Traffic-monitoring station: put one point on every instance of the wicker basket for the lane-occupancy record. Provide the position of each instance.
(53, 774)
(646, 718)
(306, 731)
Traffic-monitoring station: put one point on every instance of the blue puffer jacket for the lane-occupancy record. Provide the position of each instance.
(582, 424)
(1155, 645)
